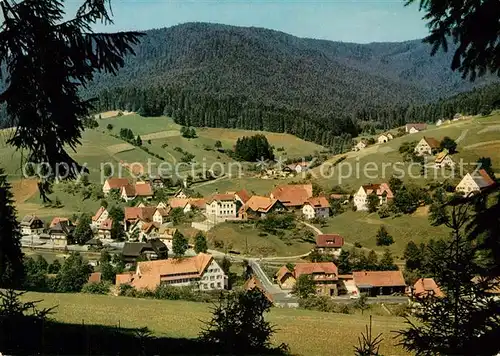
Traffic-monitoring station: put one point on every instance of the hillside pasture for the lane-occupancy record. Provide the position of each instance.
(306, 332)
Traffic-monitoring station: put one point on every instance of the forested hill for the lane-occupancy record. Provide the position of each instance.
(217, 75)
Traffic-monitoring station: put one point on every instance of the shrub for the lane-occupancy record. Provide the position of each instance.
(96, 288)
(358, 244)
(127, 290)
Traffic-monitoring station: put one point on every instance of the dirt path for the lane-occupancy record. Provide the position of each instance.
(481, 144)
(210, 182)
(462, 135)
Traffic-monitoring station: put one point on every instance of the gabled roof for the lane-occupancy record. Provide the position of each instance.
(292, 194)
(243, 195)
(57, 220)
(318, 202)
(98, 213)
(129, 190)
(106, 225)
(254, 282)
(117, 183)
(378, 189)
(150, 226)
(282, 272)
(134, 249)
(370, 279)
(28, 220)
(178, 203)
(259, 204)
(144, 214)
(62, 227)
(221, 197)
(164, 211)
(316, 268)
(143, 189)
(418, 126)
(432, 142)
(329, 240)
(483, 180)
(441, 156)
(198, 203)
(425, 287)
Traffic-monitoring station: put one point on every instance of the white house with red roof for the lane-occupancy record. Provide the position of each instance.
(292, 195)
(316, 207)
(101, 215)
(137, 190)
(221, 207)
(427, 146)
(474, 182)
(416, 127)
(382, 190)
(324, 275)
(329, 244)
(114, 183)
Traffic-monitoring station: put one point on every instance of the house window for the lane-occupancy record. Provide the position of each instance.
(212, 285)
(212, 278)
(205, 286)
(218, 284)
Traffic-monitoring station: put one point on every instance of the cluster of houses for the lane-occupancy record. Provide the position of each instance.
(387, 136)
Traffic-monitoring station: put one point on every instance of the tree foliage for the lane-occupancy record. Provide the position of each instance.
(383, 237)
(179, 244)
(73, 274)
(304, 286)
(83, 231)
(449, 144)
(253, 148)
(200, 242)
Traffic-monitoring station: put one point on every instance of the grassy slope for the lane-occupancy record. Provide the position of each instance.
(306, 332)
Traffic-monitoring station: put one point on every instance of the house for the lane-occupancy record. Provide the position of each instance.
(254, 282)
(330, 244)
(439, 122)
(299, 167)
(375, 283)
(383, 192)
(475, 182)
(324, 275)
(443, 159)
(242, 196)
(292, 195)
(149, 230)
(425, 287)
(259, 206)
(61, 234)
(155, 182)
(427, 146)
(100, 216)
(221, 207)
(57, 220)
(162, 205)
(385, 137)
(414, 128)
(181, 193)
(316, 207)
(152, 250)
(198, 203)
(114, 183)
(166, 234)
(180, 203)
(31, 225)
(104, 229)
(137, 190)
(201, 272)
(135, 217)
(360, 145)
(161, 214)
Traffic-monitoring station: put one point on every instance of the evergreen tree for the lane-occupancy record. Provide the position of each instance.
(344, 263)
(383, 237)
(413, 256)
(138, 141)
(109, 127)
(83, 231)
(448, 144)
(225, 265)
(387, 262)
(73, 274)
(42, 95)
(372, 202)
(179, 244)
(200, 242)
(304, 287)
(54, 267)
(485, 163)
(371, 263)
(11, 257)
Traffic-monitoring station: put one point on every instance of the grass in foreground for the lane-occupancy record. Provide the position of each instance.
(306, 332)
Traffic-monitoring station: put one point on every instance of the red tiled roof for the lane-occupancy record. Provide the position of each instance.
(329, 240)
(293, 194)
(221, 197)
(129, 190)
(178, 203)
(318, 202)
(259, 204)
(149, 226)
(282, 272)
(425, 287)
(379, 189)
(117, 183)
(254, 282)
(243, 195)
(57, 220)
(418, 126)
(432, 142)
(143, 190)
(106, 224)
(198, 202)
(379, 278)
(144, 214)
(487, 179)
(315, 268)
(98, 213)
(339, 196)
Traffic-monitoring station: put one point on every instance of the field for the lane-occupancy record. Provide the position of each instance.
(306, 332)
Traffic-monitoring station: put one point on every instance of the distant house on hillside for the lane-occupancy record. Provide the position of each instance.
(137, 190)
(114, 183)
(201, 272)
(31, 225)
(374, 283)
(414, 128)
(383, 192)
(474, 183)
(444, 159)
(324, 275)
(385, 137)
(427, 146)
(360, 145)
(292, 195)
(181, 193)
(316, 207)
(299, 167)
(259, 207)
(329, 244)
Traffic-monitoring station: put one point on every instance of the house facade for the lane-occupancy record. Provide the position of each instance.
(104, 229)
(416, 127)
(374, 283)
(114, 183)
(475, 182)
(324, 275)
(443, 159)
(201, 272)
(382, 191)
(330, 244)
(316, 207)
(360, 145)
(100, 216)
(221, 207)
(427, 146)
(258, 207)
(61, 233)
(385, 137)
(161, 214)
(139, 190)
(31, 225)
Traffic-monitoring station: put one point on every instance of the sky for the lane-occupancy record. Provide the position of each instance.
(360, 21)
